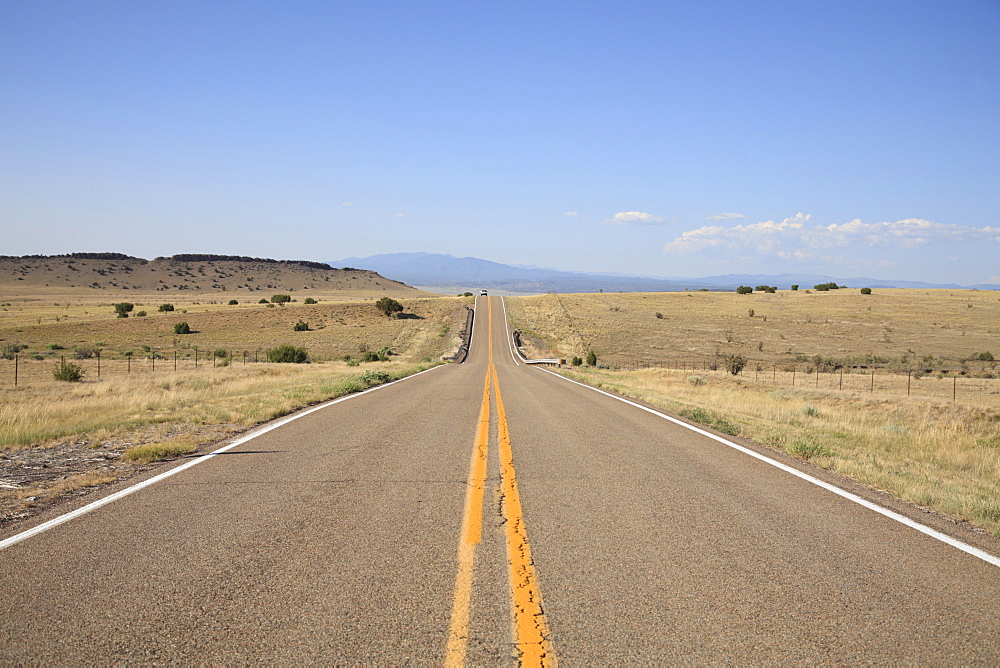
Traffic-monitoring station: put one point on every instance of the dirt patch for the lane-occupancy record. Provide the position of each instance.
(33, 479)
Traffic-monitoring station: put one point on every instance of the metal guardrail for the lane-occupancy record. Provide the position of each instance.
(516, 336)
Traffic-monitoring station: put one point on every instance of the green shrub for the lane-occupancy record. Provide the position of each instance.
(301, 326)
(591, 359)
(233, 302)
(986, 357)
(55, 346)
(373, 377)
(711, 419)
(795, 286)
(280, 299)
(309, 300)
(84, 352)
(866, 291)
(696, 380)
(744, 290)
(369, 356)
(123, 309)
(69, 372)
(262, 301)
(389, 306)
(288, 353)
(166, 307)
(140, 314)
(804, 450)
(577, 361)
(182, 328)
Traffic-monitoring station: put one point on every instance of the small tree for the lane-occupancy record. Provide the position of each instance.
(123, 309)
(309, 300)
(281, 299)
(866, 291)
(591, 358)
(735, 363)
(182, 328)
(166, 307)
(233, 302)
(389, 306)
(744, 290)
(69, 372)
(795, 286)
(576, 361)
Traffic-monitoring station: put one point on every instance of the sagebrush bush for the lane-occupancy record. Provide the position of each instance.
(288, 353)
(696, 380)
(389, 306)
(69, 372)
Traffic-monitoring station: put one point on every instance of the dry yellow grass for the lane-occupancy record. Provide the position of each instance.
(937, 453)
(171, 390)
(133, 420)
(844, 325)
(335, 328)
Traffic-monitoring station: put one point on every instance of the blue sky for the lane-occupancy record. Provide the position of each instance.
(658, 138)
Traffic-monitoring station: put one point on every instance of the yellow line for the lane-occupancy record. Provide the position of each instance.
(533, 640)
(530, 627)
(472, 531)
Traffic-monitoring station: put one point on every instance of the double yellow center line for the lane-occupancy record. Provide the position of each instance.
(530, 628)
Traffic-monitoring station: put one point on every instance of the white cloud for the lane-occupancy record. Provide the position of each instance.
(571, 213)
(400, 215)
(347, 204)
(632, 218)
(907, 233)
(794, 237)
(724, 216)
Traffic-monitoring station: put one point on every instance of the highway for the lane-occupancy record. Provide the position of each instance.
(489, 513)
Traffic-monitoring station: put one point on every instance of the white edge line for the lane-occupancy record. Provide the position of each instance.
(506, 324)
(83, 510)
(902, 519)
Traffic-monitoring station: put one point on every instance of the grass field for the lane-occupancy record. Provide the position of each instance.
(172, 395)
(897, 329)
(930, 450)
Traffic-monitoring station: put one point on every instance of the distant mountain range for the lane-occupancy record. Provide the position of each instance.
(448, 273)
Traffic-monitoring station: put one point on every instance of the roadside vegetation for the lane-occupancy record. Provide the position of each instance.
(98, 397)
(940, 454)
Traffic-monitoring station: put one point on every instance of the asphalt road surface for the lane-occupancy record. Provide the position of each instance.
(487, 513)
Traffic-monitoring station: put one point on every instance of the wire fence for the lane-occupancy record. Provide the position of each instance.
(30, 370)
(942, 384)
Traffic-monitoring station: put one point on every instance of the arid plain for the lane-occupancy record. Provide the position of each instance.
(148, 393)
(887, 389)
